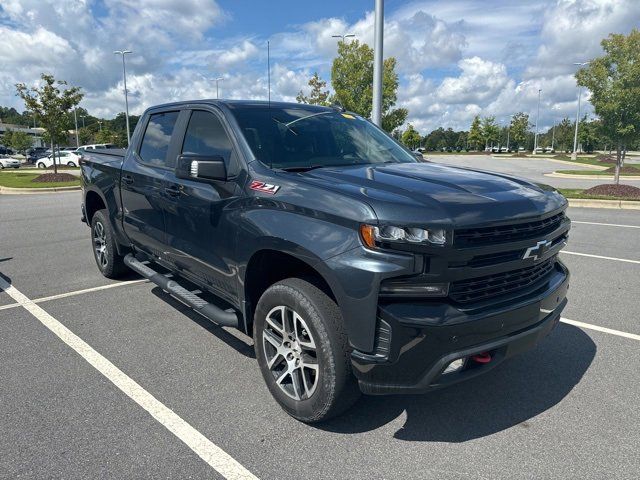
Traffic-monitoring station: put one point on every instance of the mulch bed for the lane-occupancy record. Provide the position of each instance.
(54, 177)
(625, 169)
(612, 190)
(607, 159)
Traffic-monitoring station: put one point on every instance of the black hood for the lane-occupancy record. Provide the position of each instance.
(408, 193)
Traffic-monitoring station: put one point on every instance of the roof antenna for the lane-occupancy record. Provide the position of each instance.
(338, 106)
(269, 73)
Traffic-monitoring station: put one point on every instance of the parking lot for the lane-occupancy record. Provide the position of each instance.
(116, 379)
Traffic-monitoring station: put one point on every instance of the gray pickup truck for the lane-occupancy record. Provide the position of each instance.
(354, 266)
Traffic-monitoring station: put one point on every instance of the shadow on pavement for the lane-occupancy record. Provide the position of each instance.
(237, 344)
(507, 396)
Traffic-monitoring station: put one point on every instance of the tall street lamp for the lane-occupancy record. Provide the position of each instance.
(126, 100)
(509, 131)
(574, 155)
(217, 80)
(83, 117)
(378, 34)
(535, 140)
(343, 36)
(75, 118)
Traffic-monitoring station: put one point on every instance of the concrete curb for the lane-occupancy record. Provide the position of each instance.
(564, 162)
(586, 203)
(29, 191)
(593, 177)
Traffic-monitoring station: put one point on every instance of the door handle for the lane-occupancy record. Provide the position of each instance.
(128, 179)
(174, 191)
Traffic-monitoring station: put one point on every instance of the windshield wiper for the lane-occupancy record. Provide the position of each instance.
(302, 168)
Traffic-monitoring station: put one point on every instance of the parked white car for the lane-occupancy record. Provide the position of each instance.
(82, 148)
(8, 162)
(69, 159)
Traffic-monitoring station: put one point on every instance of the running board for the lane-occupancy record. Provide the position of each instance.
(227, 318)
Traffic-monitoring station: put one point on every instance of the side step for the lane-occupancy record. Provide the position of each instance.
(227, 318)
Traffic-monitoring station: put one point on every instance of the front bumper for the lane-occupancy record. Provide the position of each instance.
(418, 342)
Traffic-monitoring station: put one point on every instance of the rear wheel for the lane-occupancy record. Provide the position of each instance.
(41, 165)
(71, 164)
(111, 264)
(303, 352)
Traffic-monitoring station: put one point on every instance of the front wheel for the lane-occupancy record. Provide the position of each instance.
(71, 164)
(111, 264)
(41, 165)
(303, 352)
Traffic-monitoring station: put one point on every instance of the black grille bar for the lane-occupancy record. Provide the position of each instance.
(507, 233)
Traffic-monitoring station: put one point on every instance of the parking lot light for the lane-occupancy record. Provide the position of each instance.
(574, 155)
(126, 100)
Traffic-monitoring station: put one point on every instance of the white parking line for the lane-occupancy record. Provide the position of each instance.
(77, 292)
(611, 331)
(606, 224)
(600, 256)
(217, 458)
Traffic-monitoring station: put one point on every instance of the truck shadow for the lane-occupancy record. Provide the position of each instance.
(236, 343)
(508, 396)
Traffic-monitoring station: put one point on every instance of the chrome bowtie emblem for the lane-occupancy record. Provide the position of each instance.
(538, 250)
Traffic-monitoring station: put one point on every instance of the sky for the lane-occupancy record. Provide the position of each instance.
(455, 59)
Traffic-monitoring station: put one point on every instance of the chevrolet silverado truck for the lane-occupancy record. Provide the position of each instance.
(355, 267)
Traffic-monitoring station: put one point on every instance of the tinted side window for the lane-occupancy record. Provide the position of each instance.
(155, 143)
(206, 136)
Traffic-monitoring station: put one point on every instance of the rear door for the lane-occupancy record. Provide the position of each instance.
(201, 236)
(142, 183)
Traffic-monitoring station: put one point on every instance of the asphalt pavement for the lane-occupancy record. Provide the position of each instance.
(568, 409)
(531, 168)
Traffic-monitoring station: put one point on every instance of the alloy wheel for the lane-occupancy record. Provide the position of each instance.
(100, 244)
(290, 352)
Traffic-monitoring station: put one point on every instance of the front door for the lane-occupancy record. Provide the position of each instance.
(200, 237)
(142, 184)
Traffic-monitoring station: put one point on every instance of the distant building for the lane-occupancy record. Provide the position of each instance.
(36, 133)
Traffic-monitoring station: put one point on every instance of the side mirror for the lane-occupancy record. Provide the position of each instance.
(201, 167)
(419, 156)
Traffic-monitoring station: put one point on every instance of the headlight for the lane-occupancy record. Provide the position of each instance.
(373, 236)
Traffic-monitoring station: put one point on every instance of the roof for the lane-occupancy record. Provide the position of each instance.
(231, 104)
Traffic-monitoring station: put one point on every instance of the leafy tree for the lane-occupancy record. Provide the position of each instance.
(411, 138)
(490, 130)
(51, 106)
(85, 135)
(518, 129)
(614, 82)
(588, 134)
(6, 137)
(352, 81)
(20, 141)
(564, 135)
(475, 133)
(318, 95)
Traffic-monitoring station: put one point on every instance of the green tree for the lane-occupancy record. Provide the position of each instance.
(518, 129)
(564, 135)
(411, 138)
(588, 134)
(20, 141)
(352, 81)
(614, 82)
(85, 135)
(490, 130)
(7, 137)
(475, 133)
(51, 106)
(318, 95)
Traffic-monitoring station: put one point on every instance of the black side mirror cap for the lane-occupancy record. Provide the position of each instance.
(201, 167)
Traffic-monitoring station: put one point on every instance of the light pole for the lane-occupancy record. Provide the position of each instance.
(343, 36)
(553, 137)
(574, 155)
(509, 131)
(83, 117)
(100, 124)
(126, 100)
(217, 80)
(376, 111)
(535, 140)
(75, 118)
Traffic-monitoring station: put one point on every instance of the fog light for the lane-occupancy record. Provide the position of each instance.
(454, 366)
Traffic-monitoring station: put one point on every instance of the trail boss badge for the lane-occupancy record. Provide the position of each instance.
(264, 187)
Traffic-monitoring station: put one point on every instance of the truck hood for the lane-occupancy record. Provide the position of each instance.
(409, 193)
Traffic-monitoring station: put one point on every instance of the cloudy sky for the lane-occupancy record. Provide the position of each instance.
(456, 58)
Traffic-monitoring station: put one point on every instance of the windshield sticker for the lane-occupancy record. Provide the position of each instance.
(264, 187)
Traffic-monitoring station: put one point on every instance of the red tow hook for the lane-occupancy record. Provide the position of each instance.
(484, 357)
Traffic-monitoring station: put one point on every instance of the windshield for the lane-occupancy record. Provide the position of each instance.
(301, 138)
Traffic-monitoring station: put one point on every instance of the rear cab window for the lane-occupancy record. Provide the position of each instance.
(157, 137)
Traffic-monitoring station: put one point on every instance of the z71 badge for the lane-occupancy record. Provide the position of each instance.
(264, 187)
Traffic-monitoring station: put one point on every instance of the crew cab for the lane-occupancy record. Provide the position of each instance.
(354, 267)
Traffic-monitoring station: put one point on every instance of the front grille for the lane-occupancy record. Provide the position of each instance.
(507, 233)
(483, 288)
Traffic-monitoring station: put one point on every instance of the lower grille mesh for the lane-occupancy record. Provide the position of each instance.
(483, 288)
